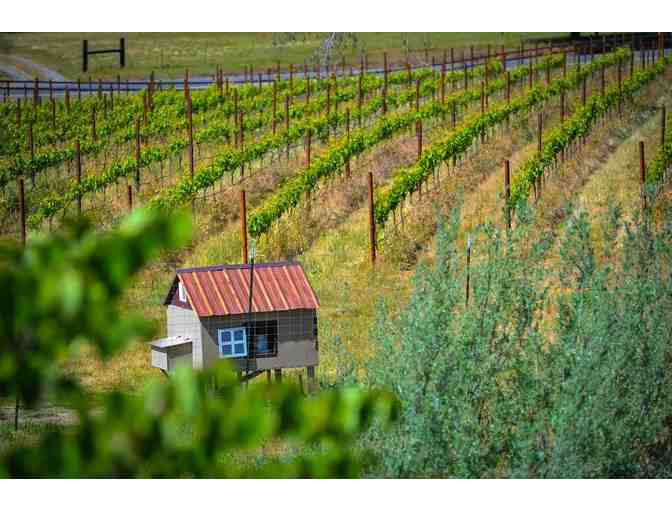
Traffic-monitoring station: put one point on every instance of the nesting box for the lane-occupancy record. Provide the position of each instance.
(217, 312)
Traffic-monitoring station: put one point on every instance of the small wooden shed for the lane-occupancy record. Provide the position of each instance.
(209, 318)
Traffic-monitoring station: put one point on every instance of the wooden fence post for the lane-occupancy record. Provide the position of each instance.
(243, 225)
(85, 56)
(129, 190)
(372, 223)
(122, 52)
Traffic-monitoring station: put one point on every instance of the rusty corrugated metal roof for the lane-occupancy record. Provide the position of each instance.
(224, 290)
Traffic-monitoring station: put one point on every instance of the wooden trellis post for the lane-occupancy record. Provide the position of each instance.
(418, 134)
(275, 104)
(94, 135)
(31, 147)
(243, 225)
(137, 154)
(287, 123)
(663, 121)
(642, 174)
(78, 150)
(347, 134)
(129, 194)
(241, 124)
(308, 140)
(372, 222)
(190, 136)
(417, 95)
(443, 82)
(507, 193)
(466, 298)
(22, 210)
(602, 82)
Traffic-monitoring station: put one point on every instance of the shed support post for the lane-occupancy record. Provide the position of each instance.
(312, 381)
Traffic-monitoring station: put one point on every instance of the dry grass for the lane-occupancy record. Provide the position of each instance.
(168, 54)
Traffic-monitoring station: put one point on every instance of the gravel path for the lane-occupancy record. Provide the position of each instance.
(41, 71)
(13, 72)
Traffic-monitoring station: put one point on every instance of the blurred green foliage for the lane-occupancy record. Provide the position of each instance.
(63, 289)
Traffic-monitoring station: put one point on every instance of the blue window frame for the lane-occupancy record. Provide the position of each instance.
(232, 343)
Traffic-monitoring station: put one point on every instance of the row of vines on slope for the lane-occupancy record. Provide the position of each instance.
(167, 121)
(333, 162)
(577, 127)
(409, 180)
(230, 159)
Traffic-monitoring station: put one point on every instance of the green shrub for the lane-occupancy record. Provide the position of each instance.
(493, 390)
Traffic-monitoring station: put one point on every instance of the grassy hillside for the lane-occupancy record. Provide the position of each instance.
(168, 54)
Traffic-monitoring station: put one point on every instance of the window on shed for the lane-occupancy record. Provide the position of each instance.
(264, 334)
(181, 292)
(232, 343)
